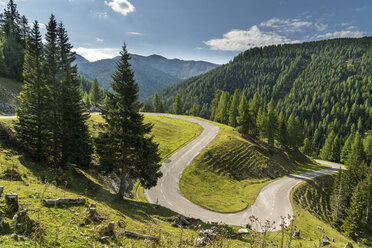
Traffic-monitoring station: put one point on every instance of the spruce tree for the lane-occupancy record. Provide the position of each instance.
(95, 93)
(214, 104)
(30, 126)
(346, 149)
(75, 138)
(233, 111)
(338, 201)
(272, 124)
(54, 103)
(124, 146)
(194, 111)
(326, 151)
(222, 111)
(282, 131)
(156, 103)
(335, 150)
(243, 118)
(254, 107)
(295, 133)
(177, 105)
(306, 148)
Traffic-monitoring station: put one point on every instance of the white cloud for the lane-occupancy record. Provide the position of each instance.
(101, 15)
(42, 26)
(239, 40)
(199, 48)
(340, 34)
(123, 7)
(320, 26)
(286, 25)
(2, 3)
(99, 39)
(94, 54)
(135, 33)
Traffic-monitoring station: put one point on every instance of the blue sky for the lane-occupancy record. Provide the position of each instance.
(211, 30)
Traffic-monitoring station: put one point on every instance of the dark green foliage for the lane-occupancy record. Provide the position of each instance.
(326, 151)
(325, 83)
(157, 105)
(294, 131)
(95, 94)
(222, 111)
(307, 149)
(233, 111)
(272, 125)
(31, 126)
(346, 149)
(194, 111)
(283, 136)
(243, 118)
(178, 105)
(124, 146)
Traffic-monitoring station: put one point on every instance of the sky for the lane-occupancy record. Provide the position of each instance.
(209, 30)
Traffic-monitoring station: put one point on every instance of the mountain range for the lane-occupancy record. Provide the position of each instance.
(153, 73)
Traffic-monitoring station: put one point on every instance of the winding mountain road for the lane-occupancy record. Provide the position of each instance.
(272, 202)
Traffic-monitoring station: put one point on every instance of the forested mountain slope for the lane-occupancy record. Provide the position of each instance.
(327, 84)
(153, 73)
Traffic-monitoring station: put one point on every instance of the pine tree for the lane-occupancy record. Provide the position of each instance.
(306, 149)
(233, 111)
(326, 151)
(254, 107)
(335, 150)
(356, 161)
(214, 103)
(124, 146)
(30, 126)
(75, 138)
(156, 104)
(338, 200)
(194, 111)
(346, 149)
(262, 122)
(177, 105)
(95, 93)
(86, 100)
(282, 131)
(243, 118)
(222, 111)
(295, 133)
(272, 124)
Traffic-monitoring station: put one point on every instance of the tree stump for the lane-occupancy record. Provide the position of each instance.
(12, 202)
(109, 230)
(1, 190)
(93, 215)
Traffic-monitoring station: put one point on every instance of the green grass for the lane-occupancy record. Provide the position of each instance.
(228, 175)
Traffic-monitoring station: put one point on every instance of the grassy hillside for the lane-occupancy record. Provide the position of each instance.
(9, 91)
(228, 175)
(65, 226)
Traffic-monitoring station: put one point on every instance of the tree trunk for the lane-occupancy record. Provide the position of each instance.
(123, 179)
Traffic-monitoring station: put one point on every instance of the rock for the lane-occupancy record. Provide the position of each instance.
(12, 202)
(296, 234)
(243, 231)
(1, 190)
(109, 229)
(349, 245)
(202, 241)
(207, 233)
(14, 236)
(324, 242)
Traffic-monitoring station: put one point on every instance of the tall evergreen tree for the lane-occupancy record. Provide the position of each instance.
(222, 111)
(326, 151)
(194, 111)
(243, 118)
(75, 138)
(30, 126)
(335, 150)
(282, 131)
(295, 131)
(51, 70)
(214, 103)
(124, 146)
(95, 93)
(156, 104)
(338, 201)
(254, 107)
(233, 111)
(306, 149)
(177, 105)
(346, 149)
(272, 124)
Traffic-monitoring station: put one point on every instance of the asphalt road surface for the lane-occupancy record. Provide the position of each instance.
(271, 204)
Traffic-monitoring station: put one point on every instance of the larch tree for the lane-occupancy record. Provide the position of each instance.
(124, 146)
